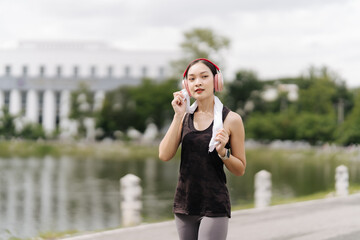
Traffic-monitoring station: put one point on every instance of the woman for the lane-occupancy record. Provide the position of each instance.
(202, 203)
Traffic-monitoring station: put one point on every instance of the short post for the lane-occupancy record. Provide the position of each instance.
(262, 189)
(342, 181)
(130, 193)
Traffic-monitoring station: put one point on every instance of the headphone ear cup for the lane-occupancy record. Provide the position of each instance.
(218, 82)
(186, 86)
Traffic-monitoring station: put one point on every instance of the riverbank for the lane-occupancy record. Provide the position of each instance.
(77, 149)
(109, 149)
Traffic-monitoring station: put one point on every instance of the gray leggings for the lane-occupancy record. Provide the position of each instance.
(201, 228)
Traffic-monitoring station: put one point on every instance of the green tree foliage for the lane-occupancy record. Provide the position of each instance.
(32, 131)
(245, 87)
(200, 43)
(7, 126)
(318, 91)
(137, 106)
(315, 128)
(270, 126)
(81, 106)
(313, 118)
(349, 132)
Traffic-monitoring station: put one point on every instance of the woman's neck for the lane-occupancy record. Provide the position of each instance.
(206, 105)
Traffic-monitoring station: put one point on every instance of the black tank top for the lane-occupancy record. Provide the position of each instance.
(201, 188)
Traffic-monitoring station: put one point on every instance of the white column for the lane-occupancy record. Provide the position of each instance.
(98, 100)
(49, 111)
(2, 100)
(32, 106)
(64, 104)
(65, 123)
(15, 102)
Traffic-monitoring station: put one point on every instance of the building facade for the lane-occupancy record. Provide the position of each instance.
(36, 78)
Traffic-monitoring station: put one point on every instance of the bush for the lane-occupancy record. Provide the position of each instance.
(271, 126)
(32, 131)
(315, 128)
(291, 126)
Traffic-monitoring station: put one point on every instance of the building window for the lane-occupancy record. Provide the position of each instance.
(24, 71)
(7, 99)
(7, 70)
(144, 71)
(110, 71)
(76, 71)
(42, 71)
(41, 105)
(58, 71)
(127, 71)
(93, 71)
(23, 102)
(57, 108)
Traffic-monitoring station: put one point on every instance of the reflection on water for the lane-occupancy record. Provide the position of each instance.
(62, 194)
(40, 195)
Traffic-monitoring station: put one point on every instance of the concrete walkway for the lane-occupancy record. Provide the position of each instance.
(332, 219)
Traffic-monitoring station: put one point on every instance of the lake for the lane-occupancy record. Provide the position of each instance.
(59, 194)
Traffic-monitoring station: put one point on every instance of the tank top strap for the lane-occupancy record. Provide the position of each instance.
(185, 126)
(225, 112)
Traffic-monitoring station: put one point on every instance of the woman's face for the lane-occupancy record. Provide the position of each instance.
(200, 81)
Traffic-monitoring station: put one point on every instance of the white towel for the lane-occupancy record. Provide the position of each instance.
(218, 123)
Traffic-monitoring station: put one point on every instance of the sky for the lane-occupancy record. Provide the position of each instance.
(275, 38)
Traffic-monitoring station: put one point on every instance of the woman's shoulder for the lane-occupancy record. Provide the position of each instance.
(233, 119)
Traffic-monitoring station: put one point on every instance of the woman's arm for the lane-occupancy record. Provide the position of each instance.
(233, 129)
(170, 143)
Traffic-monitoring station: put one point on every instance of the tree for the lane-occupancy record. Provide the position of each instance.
(242, 90)
(320, 90)
(349, 132)
(137, 106)
(315, 128)
(200, 43)
(7, 125)
(81, 106)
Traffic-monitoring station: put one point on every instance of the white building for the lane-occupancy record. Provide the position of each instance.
(272, 92)
(36, 78)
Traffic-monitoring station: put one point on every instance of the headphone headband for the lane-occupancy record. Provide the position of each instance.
(204, 59)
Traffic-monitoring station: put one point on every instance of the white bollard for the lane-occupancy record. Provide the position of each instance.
(262, 189)
(342, 181)
(131, 205)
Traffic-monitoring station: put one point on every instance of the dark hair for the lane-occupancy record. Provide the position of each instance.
(208, 64)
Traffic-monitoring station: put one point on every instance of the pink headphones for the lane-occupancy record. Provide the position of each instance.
(218, 79)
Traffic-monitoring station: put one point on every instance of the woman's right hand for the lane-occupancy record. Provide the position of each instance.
(179, 103)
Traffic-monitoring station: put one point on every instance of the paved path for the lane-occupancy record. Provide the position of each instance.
(332, 219)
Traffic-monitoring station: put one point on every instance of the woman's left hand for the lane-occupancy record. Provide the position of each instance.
(222, 136)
